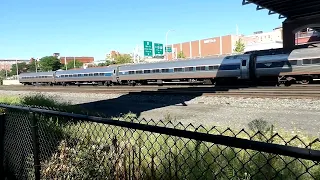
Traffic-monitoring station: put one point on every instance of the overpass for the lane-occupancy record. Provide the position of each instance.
(299, 14)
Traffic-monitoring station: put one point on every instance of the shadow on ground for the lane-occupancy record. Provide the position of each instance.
(138, 102)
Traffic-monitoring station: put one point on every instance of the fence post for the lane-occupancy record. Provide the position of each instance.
(35, 144)
(2, 130)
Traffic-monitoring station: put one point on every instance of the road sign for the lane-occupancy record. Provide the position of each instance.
(147, 48)
(168, 49)
(158, 49)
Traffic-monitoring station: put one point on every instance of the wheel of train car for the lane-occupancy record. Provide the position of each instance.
(288, 83)
(305, 81)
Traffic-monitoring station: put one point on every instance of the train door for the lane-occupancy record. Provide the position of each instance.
(116, 74)
(244, 71)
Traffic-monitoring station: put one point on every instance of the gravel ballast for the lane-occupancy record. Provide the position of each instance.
(294, 115)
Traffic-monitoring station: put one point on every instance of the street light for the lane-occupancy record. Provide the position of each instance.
(171, 30)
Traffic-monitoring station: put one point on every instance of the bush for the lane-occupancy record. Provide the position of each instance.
(98, 151)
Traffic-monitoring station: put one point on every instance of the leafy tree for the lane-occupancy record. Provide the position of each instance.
(32, 65)
(2, 73)
(22, 67)
(122, 59)
(181, 55)
(239, 46)
(49, 63)
(72, 64)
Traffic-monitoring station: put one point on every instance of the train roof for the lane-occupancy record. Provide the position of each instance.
(180, 63)
(37, 74)
(88, 70)
(306, 53)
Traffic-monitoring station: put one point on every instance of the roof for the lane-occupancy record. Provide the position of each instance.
(37, 74)
(291, 9)
(88, 70)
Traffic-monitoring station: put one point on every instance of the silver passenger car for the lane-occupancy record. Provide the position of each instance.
(90, 75)
(300, 64)
(40, 77)
(206, 68)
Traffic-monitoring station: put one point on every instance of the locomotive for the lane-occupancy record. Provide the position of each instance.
(297, 66)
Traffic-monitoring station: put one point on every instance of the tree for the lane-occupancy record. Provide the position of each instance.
(239, 46)
(181, 55)
(32, 65)
(22, 67)
(49, 63)
(72, 65)
(122, 59)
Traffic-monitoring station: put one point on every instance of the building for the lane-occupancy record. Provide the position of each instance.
(6, 64)
(225, 45)
(84, 60)
(205, 47)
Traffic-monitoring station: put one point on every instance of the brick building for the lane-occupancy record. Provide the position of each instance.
(84, 60)
(225, 44)
(205, 47)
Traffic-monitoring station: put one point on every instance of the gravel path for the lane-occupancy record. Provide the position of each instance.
(235, 112)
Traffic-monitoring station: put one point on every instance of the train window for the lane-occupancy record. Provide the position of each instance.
(155, 70)
(75, 75)
(210, 68)
(146, 71)
(315, 61)
(244, 62)
(216, 67)
(165, 70)
(85, 75)
(62, 76)
(230, 67)
(188, 69)
(306, 61)
(139, 72)
(200, 68)
(131, 72)
(101, 74)
(90, 74)
(96, 74)
(177, 70)
(293, 62)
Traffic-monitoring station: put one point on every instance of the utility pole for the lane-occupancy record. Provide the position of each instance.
(17, 68)
(167, 43)
(35, 62)
(65, 62)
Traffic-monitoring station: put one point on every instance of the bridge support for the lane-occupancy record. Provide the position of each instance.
(291, 27)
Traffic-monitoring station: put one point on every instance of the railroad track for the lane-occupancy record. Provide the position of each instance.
(295, 91)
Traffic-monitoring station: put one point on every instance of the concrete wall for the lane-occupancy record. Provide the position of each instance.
(11, 82)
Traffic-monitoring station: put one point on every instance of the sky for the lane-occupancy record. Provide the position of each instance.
(37, 28)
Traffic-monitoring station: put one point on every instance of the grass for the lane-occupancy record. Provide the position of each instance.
(86, 150)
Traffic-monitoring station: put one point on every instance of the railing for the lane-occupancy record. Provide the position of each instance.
(49, 144)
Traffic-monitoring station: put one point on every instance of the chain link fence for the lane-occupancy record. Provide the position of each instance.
(48, 144)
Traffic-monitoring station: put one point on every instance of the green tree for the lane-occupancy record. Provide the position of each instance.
(239, 46)
(22, 67)
(181, 55)
(123, 59)
(2, 73)
(32, 65)
(49, 63)
(72, 65)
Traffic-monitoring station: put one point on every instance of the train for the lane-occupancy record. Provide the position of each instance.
(297, 66)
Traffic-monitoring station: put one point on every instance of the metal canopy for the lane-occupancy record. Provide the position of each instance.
(290, 9)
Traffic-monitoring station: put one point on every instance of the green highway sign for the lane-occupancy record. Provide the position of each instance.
(147, 48)
(158, 49)
(168, 49)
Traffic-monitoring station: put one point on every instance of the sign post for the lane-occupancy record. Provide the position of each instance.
(168, 49)
(158, 49)
(147, 48)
